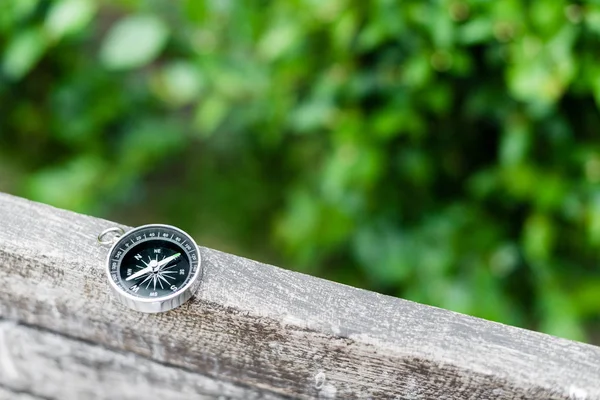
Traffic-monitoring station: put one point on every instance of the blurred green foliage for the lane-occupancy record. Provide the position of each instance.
(445, 151)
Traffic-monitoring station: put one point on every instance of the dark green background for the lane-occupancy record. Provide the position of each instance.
(443, 151)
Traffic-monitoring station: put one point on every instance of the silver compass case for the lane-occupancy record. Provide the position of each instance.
(154, 268)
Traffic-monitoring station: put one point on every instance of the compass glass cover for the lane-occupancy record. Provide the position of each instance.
(153, 261)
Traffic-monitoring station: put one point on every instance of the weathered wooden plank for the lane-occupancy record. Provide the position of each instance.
(7, 394)
(50, 365)
(276, 330)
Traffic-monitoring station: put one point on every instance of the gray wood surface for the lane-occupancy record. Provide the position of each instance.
(252, 331)
(7, 394)
(88, 371)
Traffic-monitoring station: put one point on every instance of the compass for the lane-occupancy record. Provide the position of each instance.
(153, 268)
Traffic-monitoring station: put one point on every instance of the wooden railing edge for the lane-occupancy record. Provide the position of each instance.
(262, 330)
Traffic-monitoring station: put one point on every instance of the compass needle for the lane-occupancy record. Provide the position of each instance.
(139, 273)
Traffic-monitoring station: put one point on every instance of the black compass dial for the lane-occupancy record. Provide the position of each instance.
(153, 262)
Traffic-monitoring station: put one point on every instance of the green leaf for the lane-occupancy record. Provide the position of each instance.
(515, 141)
(148, 143)
(298, 225)
(311, 115)
(278, 41)
(68, 16)
(417, 71)
(587, 297)
(178, 83)
(541, 71)
(13, 12)
(559, 315)
(476, 31)
(538, 237)
(592, 19)
(209, 115)
(23, 52)
(74, 185)
(133, 42)
(593, 220)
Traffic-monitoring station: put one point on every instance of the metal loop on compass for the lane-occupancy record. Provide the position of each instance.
(118, 232)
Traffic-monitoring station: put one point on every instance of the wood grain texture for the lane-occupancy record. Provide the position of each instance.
(66, 368)
(268, 330)
(7, 394)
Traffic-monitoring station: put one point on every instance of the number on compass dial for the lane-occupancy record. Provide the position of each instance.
(153, 264)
